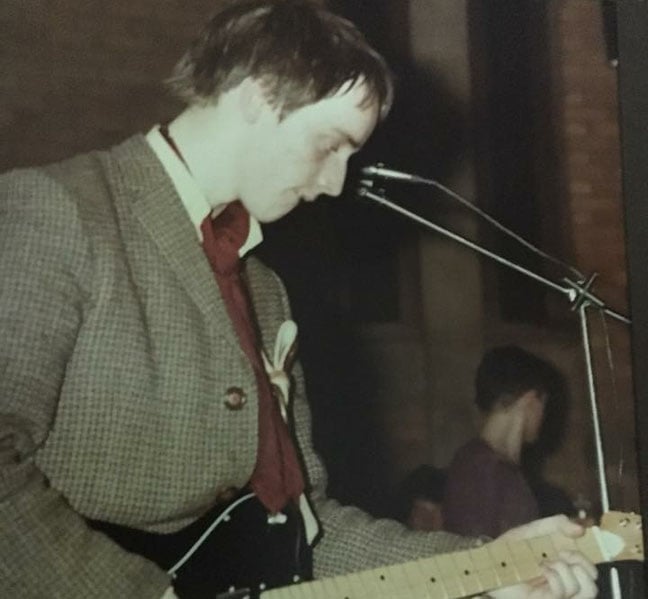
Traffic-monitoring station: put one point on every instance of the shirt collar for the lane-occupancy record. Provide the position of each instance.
(190, 194)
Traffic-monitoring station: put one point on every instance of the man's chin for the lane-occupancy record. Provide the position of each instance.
(273, 211)
(284, 211)
(274, 217)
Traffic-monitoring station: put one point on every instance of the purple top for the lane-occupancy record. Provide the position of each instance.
(485, 494)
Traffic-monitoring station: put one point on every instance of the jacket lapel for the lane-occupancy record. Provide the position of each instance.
(156, 205)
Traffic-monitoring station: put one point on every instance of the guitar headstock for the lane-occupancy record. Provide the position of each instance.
(627, 526)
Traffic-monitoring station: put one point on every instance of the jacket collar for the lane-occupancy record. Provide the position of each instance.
(154, 201)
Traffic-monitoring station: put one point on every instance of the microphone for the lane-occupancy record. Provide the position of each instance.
(378, 170)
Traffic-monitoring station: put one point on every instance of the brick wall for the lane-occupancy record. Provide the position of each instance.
(592, 220)
(83, 74)
(592, 149)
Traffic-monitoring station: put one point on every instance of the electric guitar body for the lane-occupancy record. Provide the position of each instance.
(238, 551)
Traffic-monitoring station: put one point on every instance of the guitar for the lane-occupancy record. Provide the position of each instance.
(241, 553)
(493, 565)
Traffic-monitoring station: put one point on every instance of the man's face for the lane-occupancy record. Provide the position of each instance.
(425, 515)
(535, 415)
(305, 154)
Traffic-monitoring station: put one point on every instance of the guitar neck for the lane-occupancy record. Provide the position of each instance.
(452, 575)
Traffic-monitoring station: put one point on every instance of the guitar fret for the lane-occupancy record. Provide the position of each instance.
(293, 591)
(389, 581)
(315, 589)
(419, 581)
(450, 575)
(434, 582)
(397, 583)
(589, 546)
(542, 548)
(358, 588)
(331, 589)
(525, 562)
(371, 581)
(483, 564)
(564, 543)
(467, 572)
(302, 591)
(503, 562)
(296, 591)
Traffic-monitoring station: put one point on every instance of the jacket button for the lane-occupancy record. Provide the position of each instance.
(235, 398)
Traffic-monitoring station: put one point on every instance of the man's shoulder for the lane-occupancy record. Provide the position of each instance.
(475, 448)
(80, 187)
(475, 457)
(261, 275)
(96, 163)
(67, 172)
(32, 191)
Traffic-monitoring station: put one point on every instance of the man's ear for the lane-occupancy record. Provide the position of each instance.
(252, 100)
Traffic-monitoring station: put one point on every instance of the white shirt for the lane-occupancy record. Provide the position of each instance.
(192, 197)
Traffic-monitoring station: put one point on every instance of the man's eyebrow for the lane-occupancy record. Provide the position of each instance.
(352, 141)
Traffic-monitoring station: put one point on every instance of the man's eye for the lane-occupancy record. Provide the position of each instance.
(329, 148)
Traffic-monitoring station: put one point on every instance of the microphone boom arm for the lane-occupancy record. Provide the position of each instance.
(578, 292)
(579, 295)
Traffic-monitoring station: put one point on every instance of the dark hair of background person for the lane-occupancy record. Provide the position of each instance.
(508, 372)
(424, 482)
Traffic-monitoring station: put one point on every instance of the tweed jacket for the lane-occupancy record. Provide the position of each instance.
(115, 358)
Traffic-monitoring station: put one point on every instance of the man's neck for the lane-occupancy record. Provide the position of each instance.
(204, 137)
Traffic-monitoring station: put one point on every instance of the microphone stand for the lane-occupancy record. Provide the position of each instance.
(580, 297)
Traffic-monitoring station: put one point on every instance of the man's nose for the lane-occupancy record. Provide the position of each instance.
(333, 175)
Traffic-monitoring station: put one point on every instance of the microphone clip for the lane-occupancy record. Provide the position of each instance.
(379, 170)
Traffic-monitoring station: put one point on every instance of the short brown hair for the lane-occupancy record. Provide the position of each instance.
(300, 51)
(506, 373)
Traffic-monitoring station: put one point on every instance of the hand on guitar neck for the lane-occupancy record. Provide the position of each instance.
(571, 574)
(547, 559)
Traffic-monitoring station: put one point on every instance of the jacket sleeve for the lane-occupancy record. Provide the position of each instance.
(45, 265)
(352, 540)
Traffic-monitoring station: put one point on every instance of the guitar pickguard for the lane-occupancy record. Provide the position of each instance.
(245, 554)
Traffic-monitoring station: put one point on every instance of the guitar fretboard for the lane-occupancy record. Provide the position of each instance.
(451, 575)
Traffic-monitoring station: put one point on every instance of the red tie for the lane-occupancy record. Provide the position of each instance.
(277, 476)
